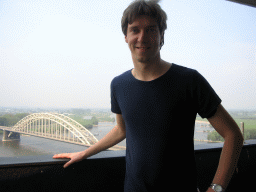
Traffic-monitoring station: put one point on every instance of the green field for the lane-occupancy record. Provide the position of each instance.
(249, 120)
(249, 123)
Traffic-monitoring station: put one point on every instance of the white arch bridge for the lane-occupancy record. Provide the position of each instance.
(57, 127)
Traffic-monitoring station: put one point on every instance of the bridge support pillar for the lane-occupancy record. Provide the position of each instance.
(10, 136)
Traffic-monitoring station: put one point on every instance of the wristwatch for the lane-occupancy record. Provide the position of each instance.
(216, 187)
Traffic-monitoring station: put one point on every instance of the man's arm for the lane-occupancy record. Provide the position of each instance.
(225, 125)
(116, 135)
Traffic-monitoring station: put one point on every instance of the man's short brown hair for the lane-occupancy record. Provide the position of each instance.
(149, 8)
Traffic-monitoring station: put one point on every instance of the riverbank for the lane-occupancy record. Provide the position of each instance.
(207, 141)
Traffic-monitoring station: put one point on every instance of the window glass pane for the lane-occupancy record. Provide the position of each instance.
(41, 134)
(60, 57)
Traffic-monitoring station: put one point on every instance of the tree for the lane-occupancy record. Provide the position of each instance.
(21, 115)
(215, 136)
(11, 119)
(94, 120)
(3, 121)
(88, 126)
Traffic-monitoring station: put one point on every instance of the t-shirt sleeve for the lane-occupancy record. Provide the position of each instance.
(207, 100)
(114, 104)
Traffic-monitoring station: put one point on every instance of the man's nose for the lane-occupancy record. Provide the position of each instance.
(142, 36)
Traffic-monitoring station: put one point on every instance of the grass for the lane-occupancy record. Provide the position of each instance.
(249, 123)
(249, 128)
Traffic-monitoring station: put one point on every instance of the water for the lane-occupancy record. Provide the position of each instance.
(102, 129)
(201, 132)
(34, 146)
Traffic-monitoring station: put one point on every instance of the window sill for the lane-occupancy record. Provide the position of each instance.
(47, 159)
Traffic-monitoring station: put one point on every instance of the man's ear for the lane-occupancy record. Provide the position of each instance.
(162, 39)
(126, 40)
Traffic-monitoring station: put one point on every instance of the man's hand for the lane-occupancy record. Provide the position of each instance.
(74, 157)
(116, 135)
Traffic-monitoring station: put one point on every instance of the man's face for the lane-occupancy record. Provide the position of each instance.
(143, 38)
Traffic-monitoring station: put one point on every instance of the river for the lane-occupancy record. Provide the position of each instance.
(34, 146)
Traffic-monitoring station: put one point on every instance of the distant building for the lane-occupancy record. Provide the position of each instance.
(87, 117)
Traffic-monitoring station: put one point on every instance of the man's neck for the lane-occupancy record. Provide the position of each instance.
(150, 71)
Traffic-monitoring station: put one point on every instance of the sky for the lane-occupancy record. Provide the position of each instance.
(65, 53)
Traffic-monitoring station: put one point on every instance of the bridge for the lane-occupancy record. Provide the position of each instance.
(52, 126)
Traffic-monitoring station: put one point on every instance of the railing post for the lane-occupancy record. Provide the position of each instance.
(45, 127)
(64, 133)
(60, 131)
(56, 128)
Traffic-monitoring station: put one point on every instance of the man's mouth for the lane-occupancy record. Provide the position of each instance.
(143, 48)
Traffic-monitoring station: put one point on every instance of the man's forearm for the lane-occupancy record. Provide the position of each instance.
(115, 136)
(228, 159)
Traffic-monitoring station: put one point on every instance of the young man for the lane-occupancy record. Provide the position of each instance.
(155, 103)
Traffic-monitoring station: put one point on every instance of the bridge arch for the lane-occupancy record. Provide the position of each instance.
(55, 126)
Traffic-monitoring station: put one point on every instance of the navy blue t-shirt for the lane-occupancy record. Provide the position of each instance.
(159, 117)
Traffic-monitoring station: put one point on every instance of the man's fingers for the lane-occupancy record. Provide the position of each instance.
(62, 155)
(74, 157)
(67, 164)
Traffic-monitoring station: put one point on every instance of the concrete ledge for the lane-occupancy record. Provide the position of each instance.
(106, 171)
(47, 159)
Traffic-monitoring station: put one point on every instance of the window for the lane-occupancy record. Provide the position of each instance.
(60, 57)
